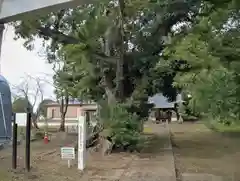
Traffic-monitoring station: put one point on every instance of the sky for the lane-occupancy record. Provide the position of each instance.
(16, 63)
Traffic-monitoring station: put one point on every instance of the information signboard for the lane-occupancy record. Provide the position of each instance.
(68, 153)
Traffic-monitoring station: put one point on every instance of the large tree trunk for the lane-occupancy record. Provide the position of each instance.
(120, 61)
(34, 120)
(35, 125)
(108, 89)
(62, 125)
(110, 96)
(63, 111)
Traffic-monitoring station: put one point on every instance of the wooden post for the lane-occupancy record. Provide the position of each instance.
(28, 139)
(14, 146)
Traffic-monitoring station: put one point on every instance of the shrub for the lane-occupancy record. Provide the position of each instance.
(38, 135)
(120, 126)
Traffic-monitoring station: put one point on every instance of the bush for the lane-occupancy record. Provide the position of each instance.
(121, 127)
(39, 135)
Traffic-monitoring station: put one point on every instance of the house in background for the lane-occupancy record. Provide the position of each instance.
(161, 102)
(162, 105)
(74, 110)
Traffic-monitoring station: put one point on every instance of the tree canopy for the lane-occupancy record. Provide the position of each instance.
(20, 105)
(122, 52)
(87, 40)
(210, 48)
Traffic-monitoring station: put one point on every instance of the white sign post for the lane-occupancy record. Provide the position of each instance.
(82, 142)
(68, 153)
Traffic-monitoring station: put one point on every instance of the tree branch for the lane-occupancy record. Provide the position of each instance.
(57, 35)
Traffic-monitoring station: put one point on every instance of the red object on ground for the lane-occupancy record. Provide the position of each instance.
(45, 139)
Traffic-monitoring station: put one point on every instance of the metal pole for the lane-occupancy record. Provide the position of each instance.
(1, 40)
(28, 137)
(14, 146)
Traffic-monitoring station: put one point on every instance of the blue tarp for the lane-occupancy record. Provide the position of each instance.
(5, 110)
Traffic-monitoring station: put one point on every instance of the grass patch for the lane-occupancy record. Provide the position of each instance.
(36, 134)
(5, 175)
(22, 129)
(147, 130)
(201, 150)
(228, 130)
(224, 128)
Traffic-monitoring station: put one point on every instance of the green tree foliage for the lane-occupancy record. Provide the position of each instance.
(63, 88)
(210, 50)
(122, 127)
(111, 50)
(79, 36)
(20, 105)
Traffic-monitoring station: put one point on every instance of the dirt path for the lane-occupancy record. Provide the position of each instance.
(155, 163)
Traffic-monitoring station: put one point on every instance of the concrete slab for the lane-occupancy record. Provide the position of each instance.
(200, 177)
(110, 174)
